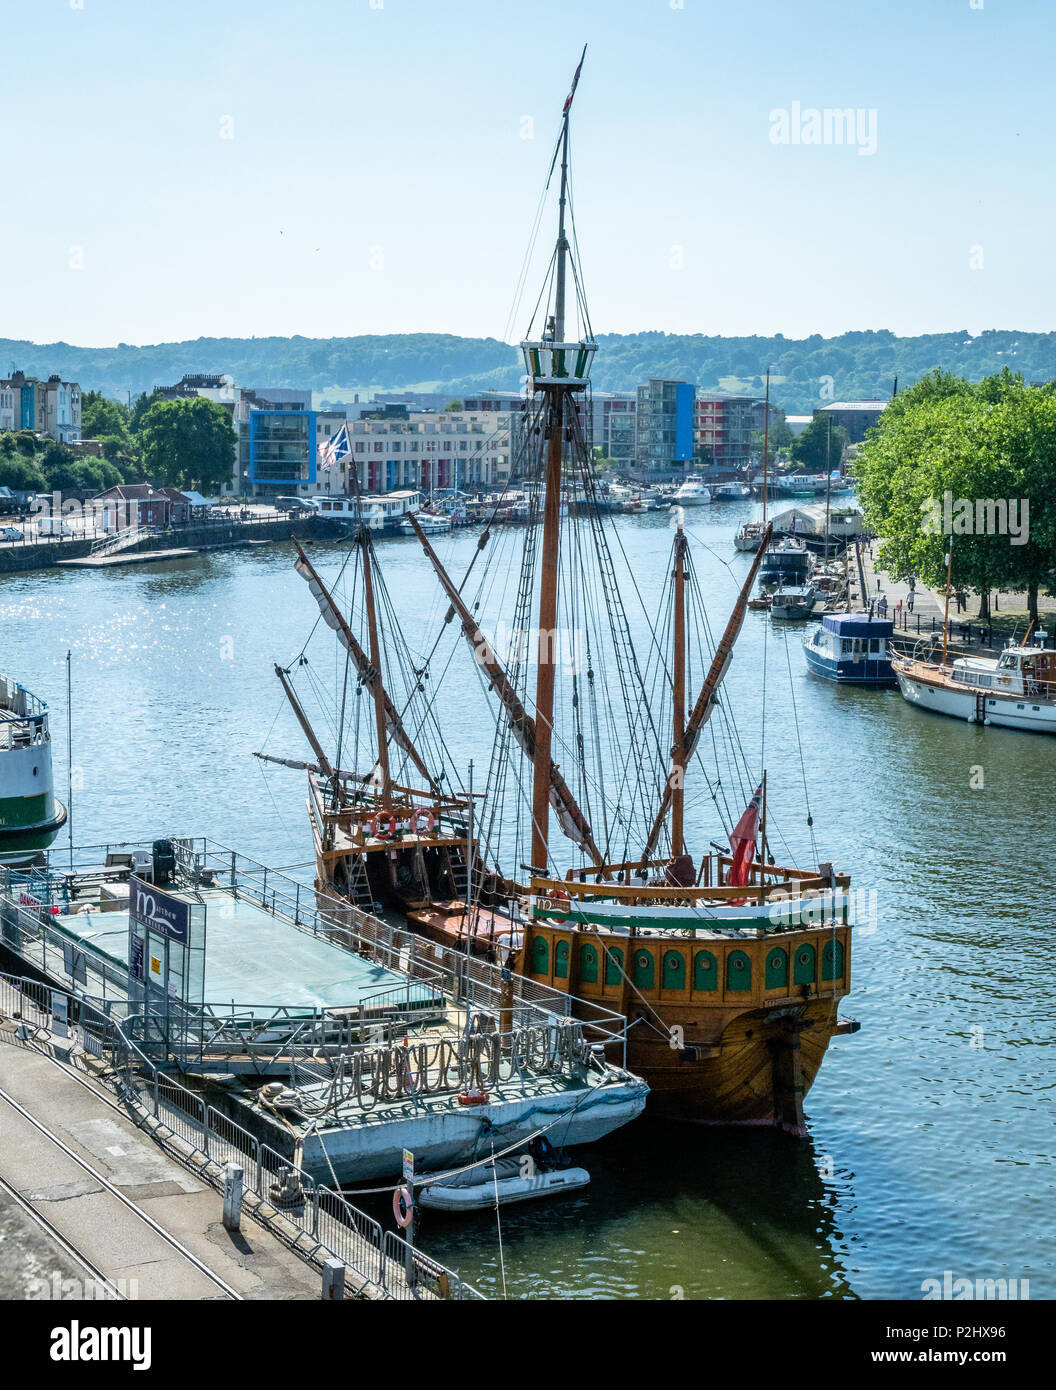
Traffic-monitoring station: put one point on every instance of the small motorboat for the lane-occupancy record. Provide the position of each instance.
(792, 602)
(749, 537)
(432, 523)
(517, 1178)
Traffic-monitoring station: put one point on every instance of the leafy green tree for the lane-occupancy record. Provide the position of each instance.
(102, 418)
(140, 406)
(20, 474)
(188, 442)
(778, 443)
(815, 449)
(453, 405)
(971, 466)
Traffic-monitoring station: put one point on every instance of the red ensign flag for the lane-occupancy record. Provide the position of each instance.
(742, 842)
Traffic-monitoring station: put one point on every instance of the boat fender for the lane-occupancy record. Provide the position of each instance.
(383, 819)
(403, 1207)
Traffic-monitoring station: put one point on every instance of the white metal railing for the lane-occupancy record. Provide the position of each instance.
(326, 1222)
(120, 540)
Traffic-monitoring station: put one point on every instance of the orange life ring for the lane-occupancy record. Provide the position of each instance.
(403, 1207)
(423, 813)
(383, 817)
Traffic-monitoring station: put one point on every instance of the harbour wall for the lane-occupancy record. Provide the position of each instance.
(17, 559)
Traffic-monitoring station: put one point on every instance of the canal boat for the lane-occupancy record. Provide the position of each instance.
(851, 648)
(383, 511)
(30, 814)
(1016, 690)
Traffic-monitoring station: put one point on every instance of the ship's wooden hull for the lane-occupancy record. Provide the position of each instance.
(758, 1073)
(725, 1030)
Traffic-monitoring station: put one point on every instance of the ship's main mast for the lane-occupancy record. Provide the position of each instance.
(556, 369)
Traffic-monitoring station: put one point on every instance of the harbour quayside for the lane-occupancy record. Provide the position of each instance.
(728, 966)
(340, 1042)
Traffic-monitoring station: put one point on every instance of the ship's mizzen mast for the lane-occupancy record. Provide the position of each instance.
(678, 766)
(375, 661)
(309, 733)
(557, 369)
(702, 710)
(366, 666)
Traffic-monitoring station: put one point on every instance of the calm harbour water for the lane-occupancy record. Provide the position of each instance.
(931, 1131)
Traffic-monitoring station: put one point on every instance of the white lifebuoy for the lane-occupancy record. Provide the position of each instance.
(403, 1207)
(423, 814)
(383, 817)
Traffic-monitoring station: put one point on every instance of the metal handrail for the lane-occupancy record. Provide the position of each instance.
(323, 1214)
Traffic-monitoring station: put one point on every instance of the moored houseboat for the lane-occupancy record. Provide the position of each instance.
(852, 648)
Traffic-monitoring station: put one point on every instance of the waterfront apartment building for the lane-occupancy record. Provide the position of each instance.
(723, 425)
(664, 427)
(608, 419)
(468, 450)
(51, 407)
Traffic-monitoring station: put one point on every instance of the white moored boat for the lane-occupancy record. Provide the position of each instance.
(1016, 690)
(513, 1179)
(692, 493)
(432, 524)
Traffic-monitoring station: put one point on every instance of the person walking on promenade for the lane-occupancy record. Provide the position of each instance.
(909, 599)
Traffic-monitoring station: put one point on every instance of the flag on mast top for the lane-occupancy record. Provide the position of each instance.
(575, 80)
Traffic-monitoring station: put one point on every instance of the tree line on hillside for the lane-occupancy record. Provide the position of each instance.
(806, 372)
(970, 466)
(184, 443)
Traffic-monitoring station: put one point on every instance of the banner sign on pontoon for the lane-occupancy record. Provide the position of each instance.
(156, 911)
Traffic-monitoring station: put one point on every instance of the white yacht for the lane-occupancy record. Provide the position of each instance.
(1016, 690)
(692, 493)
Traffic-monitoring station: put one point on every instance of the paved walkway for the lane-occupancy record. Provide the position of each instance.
(929, 604)
(114, 1204)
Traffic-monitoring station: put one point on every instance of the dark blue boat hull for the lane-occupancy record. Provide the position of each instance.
(863, 672)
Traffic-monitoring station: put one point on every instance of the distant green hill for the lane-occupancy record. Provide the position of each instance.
(861, 365)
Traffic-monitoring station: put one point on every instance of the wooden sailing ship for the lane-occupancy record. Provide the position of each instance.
(728, 967)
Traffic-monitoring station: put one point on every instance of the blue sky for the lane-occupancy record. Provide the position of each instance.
(377, 178)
